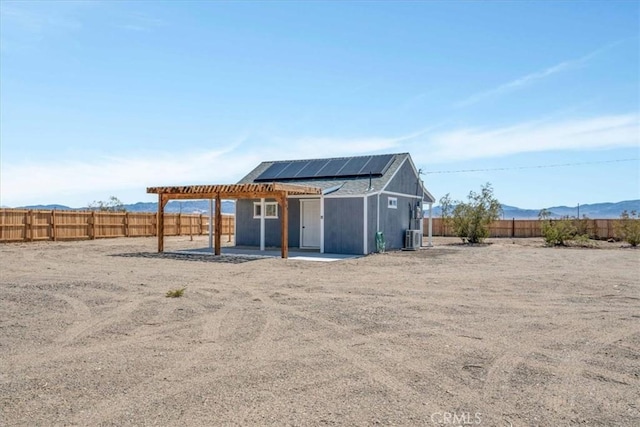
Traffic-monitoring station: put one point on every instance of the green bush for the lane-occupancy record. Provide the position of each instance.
(628, 227)
(471, 220)
(558, 232)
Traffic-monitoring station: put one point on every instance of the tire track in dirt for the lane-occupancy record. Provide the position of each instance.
(175, 379)
(93, 324)
(415, 401)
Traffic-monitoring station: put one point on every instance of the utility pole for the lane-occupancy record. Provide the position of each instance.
(578, 210)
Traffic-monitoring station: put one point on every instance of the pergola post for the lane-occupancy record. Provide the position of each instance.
(262, 225)
(211, 225)
(218, 231)
(162, 200)
(284, 203)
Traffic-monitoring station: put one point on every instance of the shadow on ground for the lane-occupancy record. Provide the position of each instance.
(236, 259)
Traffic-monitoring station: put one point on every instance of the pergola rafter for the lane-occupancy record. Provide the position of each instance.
(277, 191)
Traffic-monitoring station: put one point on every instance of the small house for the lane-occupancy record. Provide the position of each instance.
(364, 203)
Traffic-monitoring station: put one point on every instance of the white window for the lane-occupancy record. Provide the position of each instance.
(270, 210)
(392, 202)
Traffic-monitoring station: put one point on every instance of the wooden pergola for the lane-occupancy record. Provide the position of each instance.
(276, 191)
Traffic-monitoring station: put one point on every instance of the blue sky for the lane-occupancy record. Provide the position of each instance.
(107, 98)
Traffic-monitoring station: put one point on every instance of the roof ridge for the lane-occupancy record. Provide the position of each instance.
(335, 158)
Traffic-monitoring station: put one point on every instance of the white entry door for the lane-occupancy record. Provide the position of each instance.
(310, 223)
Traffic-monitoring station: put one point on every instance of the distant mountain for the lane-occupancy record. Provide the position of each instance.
(47, 207)
(598, 210)
(595, 210)
(184, 206)
(174, 206)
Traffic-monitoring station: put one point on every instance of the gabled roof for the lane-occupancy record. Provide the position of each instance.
(343, 186)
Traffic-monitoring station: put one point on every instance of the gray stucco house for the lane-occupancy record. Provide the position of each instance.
(360, 196)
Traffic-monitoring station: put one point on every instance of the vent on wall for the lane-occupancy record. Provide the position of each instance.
(412, 240)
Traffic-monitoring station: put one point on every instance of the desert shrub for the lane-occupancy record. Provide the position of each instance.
(583, 241)
(471, 220)
(175, 293)
(583, 227)
(628, 227)
(446, 208)
(558, 232)
(112, 205)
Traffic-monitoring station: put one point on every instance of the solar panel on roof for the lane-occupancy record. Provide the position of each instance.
(293, 169)
(332, 168)
(273, 171)
(354, 165)
(327, 168)
(378, 165)
(311, 169)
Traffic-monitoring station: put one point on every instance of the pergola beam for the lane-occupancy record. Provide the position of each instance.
(277, 191)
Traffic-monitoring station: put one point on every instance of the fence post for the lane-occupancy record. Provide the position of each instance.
(200, 227)
(126, 224)
(191, 227)
(92, 221)
(53, 225)
(513, 227)
(229, 227)
(28, 232)
(179, 224)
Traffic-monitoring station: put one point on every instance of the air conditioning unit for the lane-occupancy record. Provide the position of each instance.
(412, 240)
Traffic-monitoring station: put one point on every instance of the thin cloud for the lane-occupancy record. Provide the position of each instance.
(313, 147)
(142, 23)
(21, 183)
(603, 132)
(533, 77)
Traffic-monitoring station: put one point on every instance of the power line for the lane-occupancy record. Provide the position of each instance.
(560, 165)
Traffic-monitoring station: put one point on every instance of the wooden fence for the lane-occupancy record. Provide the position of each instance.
(596, 228)
(21, 225)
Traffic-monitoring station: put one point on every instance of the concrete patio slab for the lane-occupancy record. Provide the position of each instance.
(296, 254)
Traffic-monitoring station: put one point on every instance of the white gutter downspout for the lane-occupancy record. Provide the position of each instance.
(378, 214)
(322, 224)
(365, 242)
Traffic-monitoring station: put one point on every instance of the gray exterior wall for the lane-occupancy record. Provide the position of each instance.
(394, 222)
(248, 227)
(405, 181)
(343, 227)
(372, 224)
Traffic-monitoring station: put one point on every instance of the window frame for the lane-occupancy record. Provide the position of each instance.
(257, 210)
(392, 202)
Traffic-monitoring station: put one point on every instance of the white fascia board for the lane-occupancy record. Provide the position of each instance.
(431, 198)
(304, 196)
(393, 193)
(347, 196)
(421, 181)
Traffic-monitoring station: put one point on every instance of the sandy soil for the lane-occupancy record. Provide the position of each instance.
(504, 334)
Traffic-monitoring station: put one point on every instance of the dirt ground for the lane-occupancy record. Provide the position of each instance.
(505, 334)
